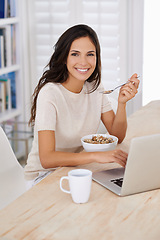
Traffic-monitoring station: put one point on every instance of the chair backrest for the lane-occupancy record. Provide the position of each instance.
(12, 182)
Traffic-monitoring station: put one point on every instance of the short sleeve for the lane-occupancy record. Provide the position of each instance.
(46, 110)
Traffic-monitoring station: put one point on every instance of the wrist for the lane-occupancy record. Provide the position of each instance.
(93, 156)
(89, 157)
(122, 105)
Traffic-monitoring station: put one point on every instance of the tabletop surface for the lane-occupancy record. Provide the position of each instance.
(45, 212)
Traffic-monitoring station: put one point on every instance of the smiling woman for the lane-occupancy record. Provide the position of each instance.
(67, 105)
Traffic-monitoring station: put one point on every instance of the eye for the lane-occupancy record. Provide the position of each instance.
(91, 54)
(74, 54)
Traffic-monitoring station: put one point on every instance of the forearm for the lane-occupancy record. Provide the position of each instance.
(119, 125)
(64, 159)
(127, 92)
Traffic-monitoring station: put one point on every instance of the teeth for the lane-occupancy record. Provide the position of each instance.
(82, 70)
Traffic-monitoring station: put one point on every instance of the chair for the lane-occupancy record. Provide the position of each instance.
(18, 132)
(12, 182)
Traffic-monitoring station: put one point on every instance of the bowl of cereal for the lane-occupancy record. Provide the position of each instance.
(99, 142)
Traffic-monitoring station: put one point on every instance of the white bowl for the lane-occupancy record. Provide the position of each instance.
(90, 147)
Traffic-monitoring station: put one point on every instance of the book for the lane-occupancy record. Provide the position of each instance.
(5, 31)
(10, 97)
(3, 46)
(7, 8)
(2, 97)
(13, 44)
(1, 51)
(12, 77)
(5, 94)
(0, 54)
(12, 8)
(2, 8)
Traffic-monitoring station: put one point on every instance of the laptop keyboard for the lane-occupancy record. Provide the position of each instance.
(118, 181)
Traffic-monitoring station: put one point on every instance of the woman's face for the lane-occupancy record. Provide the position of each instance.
(81, 61)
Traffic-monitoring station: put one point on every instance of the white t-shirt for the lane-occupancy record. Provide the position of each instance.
(70, 115)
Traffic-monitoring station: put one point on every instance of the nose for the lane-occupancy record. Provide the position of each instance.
(83, 60)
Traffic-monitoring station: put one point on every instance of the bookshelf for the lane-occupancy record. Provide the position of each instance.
(14, 84)
(11, 102)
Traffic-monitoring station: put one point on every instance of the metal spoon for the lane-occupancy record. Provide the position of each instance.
(110, 91)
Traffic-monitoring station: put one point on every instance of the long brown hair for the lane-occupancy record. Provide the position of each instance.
(57, 71)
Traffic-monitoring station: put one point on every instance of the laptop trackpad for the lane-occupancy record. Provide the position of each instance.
(110, 178)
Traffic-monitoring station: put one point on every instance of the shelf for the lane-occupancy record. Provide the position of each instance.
(12, 68)
(9, 114)
(5, 21)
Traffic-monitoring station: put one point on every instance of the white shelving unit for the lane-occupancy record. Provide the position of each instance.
(12, 117)
(17, 68)
(14, 120)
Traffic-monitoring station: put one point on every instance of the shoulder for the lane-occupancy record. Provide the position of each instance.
(49, 93)
(49, 90)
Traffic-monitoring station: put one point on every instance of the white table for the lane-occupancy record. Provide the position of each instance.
(45, 212)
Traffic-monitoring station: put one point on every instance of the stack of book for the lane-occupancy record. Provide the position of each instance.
(7, 8)
(7, 45)
(7, 92)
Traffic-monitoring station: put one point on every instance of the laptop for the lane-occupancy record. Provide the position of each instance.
(142, 171)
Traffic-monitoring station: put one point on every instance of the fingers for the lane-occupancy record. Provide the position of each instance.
(129, 88)
(121, 162)
(116, 155)
(120, 157)
(134, 80)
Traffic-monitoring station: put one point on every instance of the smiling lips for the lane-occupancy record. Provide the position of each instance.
(82, 70)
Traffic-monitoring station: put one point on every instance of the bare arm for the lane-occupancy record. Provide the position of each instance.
(50, 158)
(117, 124)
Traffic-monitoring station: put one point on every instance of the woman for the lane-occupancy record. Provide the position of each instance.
(67, 104)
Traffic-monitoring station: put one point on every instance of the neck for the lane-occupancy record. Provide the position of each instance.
(75, 87)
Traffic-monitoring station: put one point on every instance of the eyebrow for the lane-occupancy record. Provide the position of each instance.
(79, 51)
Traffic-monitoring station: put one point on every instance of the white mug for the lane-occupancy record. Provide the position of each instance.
(80, 181)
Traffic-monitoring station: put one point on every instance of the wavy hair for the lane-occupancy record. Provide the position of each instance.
(57, 71)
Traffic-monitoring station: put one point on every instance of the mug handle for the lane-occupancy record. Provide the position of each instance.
(62, 178)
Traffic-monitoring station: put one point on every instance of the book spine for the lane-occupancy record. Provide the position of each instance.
(2, 8)
(6, 45)
(7, 8)
(2, 96)
(12, 8)
(2, 50)
(8, 91)
(8, 95)
(10, 79)
(13, 44)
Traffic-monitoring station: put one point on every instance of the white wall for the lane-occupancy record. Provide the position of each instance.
(135, 49)
(151, 68)
(131, 40)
